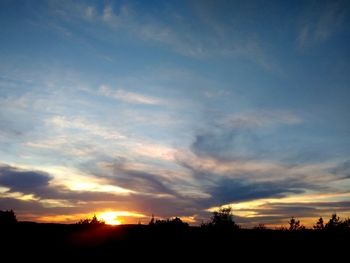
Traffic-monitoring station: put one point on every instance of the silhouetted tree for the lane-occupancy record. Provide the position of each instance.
(7, 217)
(345, 225)
(91, 221)
(223, 219)
(319, 224)
(333, 223)
(175, 222)
(151, 223)
(95, 221)
(260, 227)
(295, 225)
(282, 228)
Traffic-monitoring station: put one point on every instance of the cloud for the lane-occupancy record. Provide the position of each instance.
(238, 135)
(141, 181)
(343, 169)
(310, 175)
(320, 23)
(236, 190)
(52, 202)
(308, 212)
(227, 179)
(23, 181)
(277, 211)
(90, 12)
(225, 143)
(28, 207)
(69, 146)
(130, 97)
(108, 13)
(165, 194)
(50, 198)
(45, 188)
(154, 151)
(174, 32)
(261, 118)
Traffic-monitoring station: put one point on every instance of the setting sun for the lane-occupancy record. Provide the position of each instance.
(111, 218)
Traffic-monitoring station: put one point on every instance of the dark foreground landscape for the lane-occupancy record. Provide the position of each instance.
(47, 241)
(169, 240)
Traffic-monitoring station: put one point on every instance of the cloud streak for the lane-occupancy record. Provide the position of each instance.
(130, 97)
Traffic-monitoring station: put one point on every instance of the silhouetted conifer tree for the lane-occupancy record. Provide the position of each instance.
(151, 223)
(333, 223)
(319, 224)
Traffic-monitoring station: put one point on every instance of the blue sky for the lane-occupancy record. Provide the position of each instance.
(175, 108)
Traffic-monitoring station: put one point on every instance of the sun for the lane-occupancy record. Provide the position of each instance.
(110, 218)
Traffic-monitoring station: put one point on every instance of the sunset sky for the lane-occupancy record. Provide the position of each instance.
(175, 108)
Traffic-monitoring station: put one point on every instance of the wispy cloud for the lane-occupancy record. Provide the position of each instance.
(82, 124)
(155, 151)
(262, 170)
(175, 34)
(321, 23)
(262, 118)
(239, 135)
(90, 12)
(130, 97)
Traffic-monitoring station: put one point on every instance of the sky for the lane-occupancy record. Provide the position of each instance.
(126, 109)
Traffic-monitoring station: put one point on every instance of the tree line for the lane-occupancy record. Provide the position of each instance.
(222, 219)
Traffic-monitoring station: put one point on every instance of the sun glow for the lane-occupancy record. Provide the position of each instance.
(110, 218)
(118, 217)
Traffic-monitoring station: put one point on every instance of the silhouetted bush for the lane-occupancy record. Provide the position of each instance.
(7, 217)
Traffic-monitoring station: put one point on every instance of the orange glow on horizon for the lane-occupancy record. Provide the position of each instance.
(109, 216)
